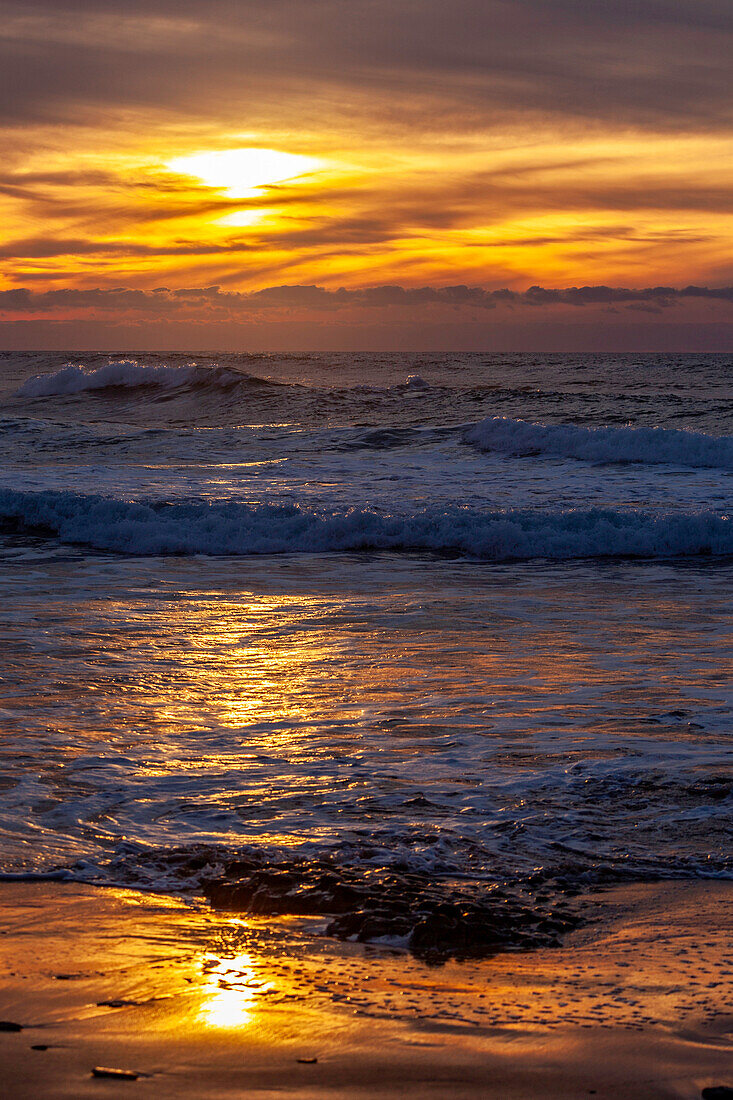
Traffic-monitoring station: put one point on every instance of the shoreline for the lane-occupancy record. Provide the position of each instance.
(637, 1004)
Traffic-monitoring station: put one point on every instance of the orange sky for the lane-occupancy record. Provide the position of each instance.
(487, 143)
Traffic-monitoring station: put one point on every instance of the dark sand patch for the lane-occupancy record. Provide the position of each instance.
(435, 918)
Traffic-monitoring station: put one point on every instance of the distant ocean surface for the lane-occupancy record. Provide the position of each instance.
(461, 622)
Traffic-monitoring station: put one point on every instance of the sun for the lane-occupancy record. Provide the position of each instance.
(240, 171)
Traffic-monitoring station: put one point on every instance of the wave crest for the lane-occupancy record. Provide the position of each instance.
(128, 374)
(653, 446)
(226, 528)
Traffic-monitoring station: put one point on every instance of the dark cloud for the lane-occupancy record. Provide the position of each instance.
(44, 248)
(206, 301)
(659, 63)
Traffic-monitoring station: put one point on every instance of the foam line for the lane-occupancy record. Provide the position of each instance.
(647, 445)
(224, 528)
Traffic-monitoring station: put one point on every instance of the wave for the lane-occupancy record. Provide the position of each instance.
(416, 382)
(129, 374)
(230, 528)
(653, 446)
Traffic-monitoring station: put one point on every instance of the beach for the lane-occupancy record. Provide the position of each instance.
(636, 1005)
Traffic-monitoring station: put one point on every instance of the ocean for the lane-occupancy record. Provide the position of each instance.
(398, 641)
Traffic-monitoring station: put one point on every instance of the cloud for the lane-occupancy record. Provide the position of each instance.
(44, 248)
(212, 302)
(658, 63)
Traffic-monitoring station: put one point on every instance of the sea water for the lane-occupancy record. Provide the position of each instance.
(464, 617)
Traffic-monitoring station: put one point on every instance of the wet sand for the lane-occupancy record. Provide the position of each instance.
(638, 1004)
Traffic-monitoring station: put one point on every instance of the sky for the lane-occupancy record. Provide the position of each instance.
(507, 175)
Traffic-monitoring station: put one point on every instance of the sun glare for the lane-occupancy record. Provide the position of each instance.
(243, 217)
(240, 171)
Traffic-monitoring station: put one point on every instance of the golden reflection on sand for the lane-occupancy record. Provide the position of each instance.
(230, 991)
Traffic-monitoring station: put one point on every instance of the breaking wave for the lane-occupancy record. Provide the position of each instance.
(129, 374)
(648, 445)
(226, 528)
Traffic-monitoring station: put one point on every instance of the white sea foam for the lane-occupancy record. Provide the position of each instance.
(648, 445)
(242, 529)
(126, 373)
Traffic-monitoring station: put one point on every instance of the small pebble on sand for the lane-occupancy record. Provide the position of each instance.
(121, 1074)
